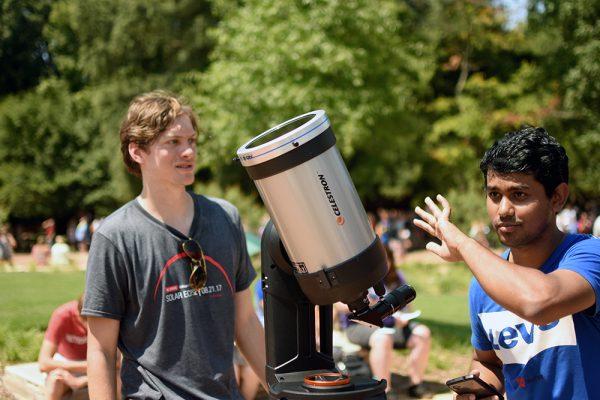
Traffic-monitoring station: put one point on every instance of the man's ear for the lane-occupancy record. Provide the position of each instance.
(559, 197)
(136, 152)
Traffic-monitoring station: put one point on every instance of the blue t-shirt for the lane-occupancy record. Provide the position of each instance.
(559, 360)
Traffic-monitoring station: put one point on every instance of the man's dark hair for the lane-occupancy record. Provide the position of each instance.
(530, 151)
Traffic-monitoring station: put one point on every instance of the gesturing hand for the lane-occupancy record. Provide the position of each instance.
(437, 223)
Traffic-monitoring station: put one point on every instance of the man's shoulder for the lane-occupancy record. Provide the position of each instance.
(215, 204)
(65, 310)
(122, 220)
(580, 243)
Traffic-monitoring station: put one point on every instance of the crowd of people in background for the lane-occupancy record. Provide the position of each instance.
(394, 229)
(574, 220)
(51, 247)
(46, 246)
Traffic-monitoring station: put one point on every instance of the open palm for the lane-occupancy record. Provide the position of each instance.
(437, 223)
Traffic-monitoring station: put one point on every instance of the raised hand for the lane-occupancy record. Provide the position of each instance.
(437, 223)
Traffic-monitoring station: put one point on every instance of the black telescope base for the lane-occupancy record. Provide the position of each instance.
(360, 388)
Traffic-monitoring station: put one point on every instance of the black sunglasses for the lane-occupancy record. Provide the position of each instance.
(194, 251)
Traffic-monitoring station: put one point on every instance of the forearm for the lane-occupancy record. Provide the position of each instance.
(527, 292)
(102, 375)
(250, 339)
(490, 373)
(83, 381)
(49, 364)
(80, 382)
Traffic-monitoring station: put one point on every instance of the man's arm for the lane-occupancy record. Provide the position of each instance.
(102, 357)
(488, 367)
(47, 363)
(250, 335)
(537, 297)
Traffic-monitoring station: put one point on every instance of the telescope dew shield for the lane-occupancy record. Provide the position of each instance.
(308, 192)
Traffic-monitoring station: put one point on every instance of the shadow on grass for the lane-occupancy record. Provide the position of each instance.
(400, 384)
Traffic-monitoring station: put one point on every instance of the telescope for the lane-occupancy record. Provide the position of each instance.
(318, 249)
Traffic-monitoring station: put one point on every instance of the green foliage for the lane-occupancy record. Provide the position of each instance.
(569, 39)
(60, 151)
(23, 49)
(59, 146)
(486, 109)
(582, 92)
(277, 59)
(415, 90)
(22, 345)
(43, 167)
(100, 40)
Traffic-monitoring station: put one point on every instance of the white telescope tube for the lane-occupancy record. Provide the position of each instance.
(310, 197)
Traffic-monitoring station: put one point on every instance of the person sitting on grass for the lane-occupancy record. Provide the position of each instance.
(399, 332)
(60, 253)
(64, 350)
(40, 252)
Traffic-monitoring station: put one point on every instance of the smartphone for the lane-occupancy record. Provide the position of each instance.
(471, 384)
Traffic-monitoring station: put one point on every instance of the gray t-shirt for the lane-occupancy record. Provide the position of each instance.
(177, 343)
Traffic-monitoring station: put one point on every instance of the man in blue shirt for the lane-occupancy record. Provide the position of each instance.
(535, 310)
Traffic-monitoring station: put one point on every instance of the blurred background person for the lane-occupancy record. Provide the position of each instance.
(479, 231)
(7, 245)
(49, 227)
(60, 252)
(584, 223)
(566, 219)
(40, 252)
(82, 234)
(596, 227)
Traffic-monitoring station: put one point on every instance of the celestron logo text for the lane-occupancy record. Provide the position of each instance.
(340, 219)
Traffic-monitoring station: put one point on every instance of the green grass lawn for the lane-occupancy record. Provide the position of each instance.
(28, 298)
(26, 301)
(442, 297)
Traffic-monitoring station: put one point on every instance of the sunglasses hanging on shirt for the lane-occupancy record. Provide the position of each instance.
(194, 251)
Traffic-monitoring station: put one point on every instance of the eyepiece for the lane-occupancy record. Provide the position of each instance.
(395, 300)
(399, 298)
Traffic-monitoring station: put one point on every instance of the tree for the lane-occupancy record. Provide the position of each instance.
(59, 142)
(570, 64)
(106, 39)
(357, 60)
(60, 151)
(47, 167)
(24, 57)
